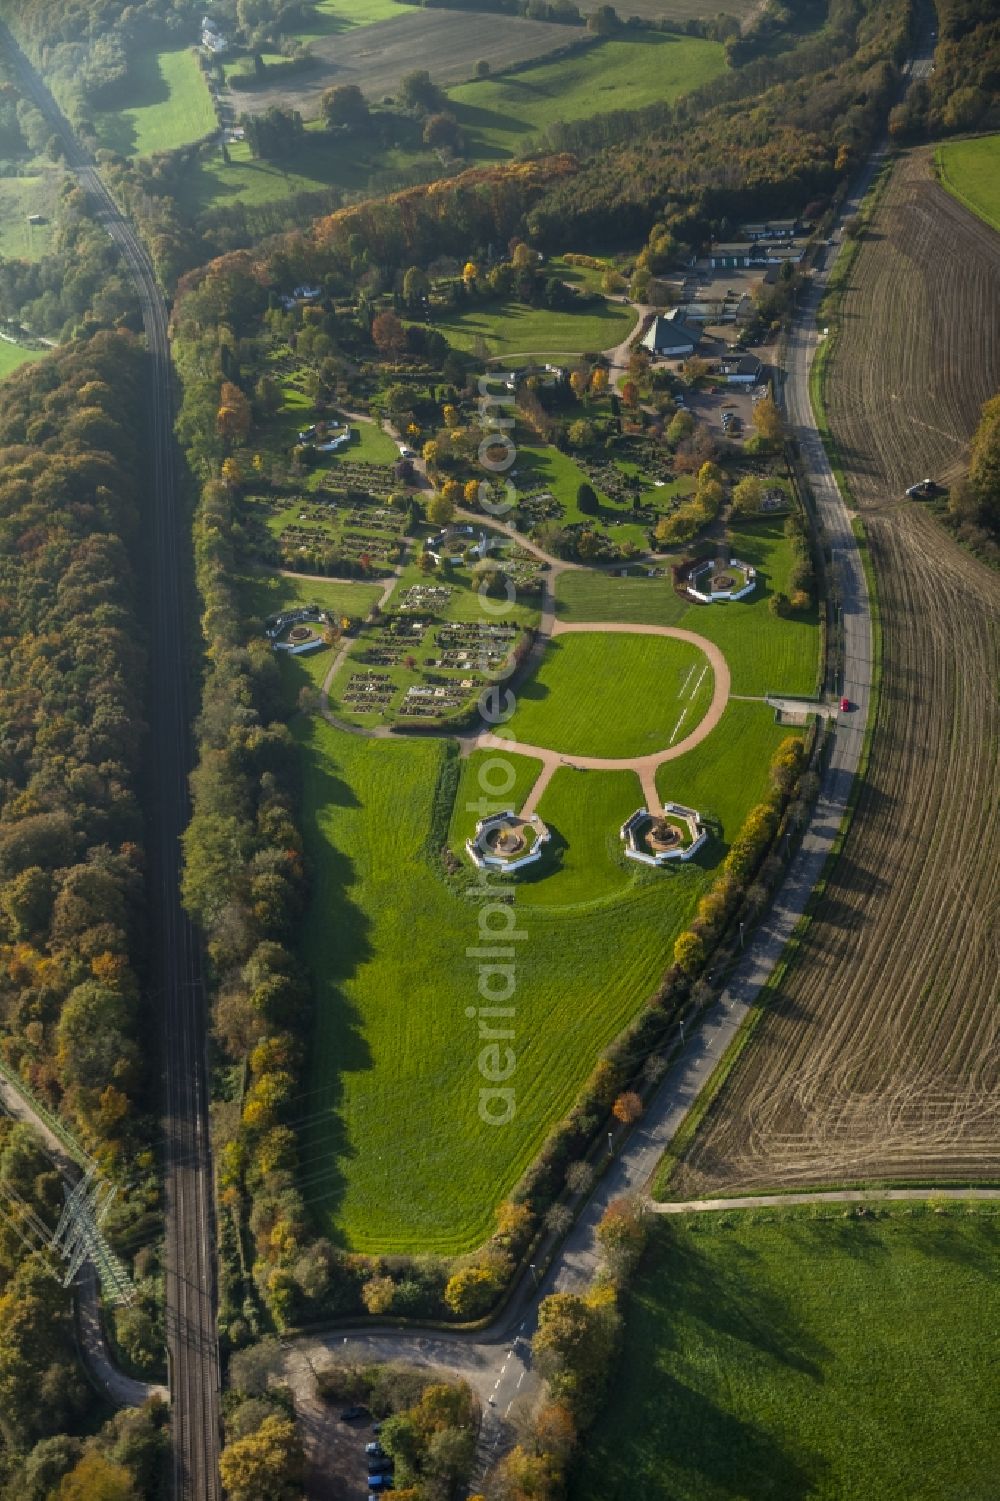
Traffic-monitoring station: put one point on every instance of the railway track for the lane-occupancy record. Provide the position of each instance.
(192, 1343)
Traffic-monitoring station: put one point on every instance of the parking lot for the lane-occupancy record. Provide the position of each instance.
(710, 408)
(335, 1450)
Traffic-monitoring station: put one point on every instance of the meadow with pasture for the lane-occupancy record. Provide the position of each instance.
(820, 1353)
(164, 104)
(644, 67)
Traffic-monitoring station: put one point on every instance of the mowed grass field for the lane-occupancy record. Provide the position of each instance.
(515, 328)
(970, 170)
(728, 770)
(616, 73)
(397, 1157)
(765, 654)
(806, 1356)
(598, 694)
(165, 104)
(13, 356)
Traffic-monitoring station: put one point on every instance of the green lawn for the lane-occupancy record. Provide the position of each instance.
(728, 769)
(369, 444)
(612, 695)
(585, 811)
(806, 1356)
(165, 104)
(550, 469)
(491, 782)
(970, 170)
(397, 1158)
(265, 594)
(268, 593)
(515, 328)
(13, 356)
(497, 113)
(765, 654)
(19, 197)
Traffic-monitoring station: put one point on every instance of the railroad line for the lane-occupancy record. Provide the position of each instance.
(192, 1342)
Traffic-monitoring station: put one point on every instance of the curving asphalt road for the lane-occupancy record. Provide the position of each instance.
(192, 1343)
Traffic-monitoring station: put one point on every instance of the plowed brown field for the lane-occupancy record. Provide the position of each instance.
(880, 1056)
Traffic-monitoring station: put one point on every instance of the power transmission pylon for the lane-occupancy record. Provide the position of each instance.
(78, 1237)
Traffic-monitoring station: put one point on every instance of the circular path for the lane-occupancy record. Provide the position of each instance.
(645, 766)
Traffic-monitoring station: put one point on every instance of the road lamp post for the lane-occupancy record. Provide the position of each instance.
(534, 1273)
(741, 935)
(611, 1143)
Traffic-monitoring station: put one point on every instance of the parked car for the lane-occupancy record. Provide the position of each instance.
(375, 1450)
(379, 1464)
(379, 1482)
(845, 704)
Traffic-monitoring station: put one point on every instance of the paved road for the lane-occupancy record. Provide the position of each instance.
(190, 1235)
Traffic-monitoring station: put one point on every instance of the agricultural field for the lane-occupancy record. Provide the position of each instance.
(497, 114)
(970, 170)
(215, 184)
(918, 359)
(165, 103)
(877, 1058)
(612, 695)
(817, 1355)
(334, 17)
(448, 43)
(514, 328)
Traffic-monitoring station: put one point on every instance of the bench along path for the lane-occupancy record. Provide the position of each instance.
(645, 767)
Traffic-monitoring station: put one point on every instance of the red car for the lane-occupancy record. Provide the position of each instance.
(845, 704)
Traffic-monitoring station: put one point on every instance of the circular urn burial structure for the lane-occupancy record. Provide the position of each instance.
(720, 579)
(655, 838)
(505, 841)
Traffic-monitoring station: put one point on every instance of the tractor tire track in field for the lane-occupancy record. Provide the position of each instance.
(879, 1056)
(919, 349)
